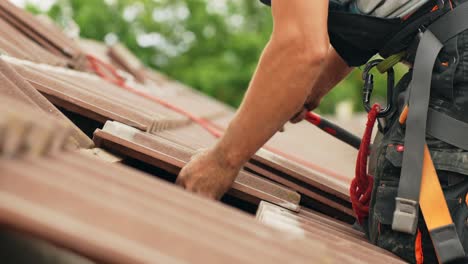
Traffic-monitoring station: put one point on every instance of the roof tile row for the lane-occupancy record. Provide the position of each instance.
(312, 225)
(114, 214)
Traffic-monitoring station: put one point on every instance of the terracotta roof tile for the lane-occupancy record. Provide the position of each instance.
(123, 57)
(112, 214)
(53, 40)
(317, 227)
(329, 191)
(15, 84)
(14, 43)
(172, 157)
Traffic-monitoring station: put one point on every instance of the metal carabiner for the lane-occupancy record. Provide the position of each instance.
(369, 87)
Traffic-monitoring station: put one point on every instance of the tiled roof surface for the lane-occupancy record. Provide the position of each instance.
(310, 224)
(53, 42)
(58, 105)
(14, 85)
(115, 215)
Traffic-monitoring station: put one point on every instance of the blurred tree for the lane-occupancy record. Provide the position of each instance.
(210, 45)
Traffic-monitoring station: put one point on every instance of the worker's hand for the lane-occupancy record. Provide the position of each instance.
(310, 104)
(208, 174)
(299, 116)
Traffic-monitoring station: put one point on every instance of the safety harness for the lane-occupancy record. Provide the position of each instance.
(419, 185)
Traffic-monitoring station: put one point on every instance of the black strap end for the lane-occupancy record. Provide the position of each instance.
(447, 244)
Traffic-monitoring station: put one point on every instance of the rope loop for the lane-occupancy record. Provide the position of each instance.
(362, 184)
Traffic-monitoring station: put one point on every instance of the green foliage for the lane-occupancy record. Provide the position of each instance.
(210, 45)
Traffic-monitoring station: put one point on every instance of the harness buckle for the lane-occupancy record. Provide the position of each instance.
(405, 217)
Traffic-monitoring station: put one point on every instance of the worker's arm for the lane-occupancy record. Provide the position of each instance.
(334, 71)
(289, 66)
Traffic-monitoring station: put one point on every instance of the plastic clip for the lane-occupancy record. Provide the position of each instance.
(405, 217)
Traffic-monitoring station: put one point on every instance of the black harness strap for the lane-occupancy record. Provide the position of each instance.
(406, 214)
(447, 129)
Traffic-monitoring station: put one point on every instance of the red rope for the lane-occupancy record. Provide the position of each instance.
(116, 79)
(362, 184)
(99, 67)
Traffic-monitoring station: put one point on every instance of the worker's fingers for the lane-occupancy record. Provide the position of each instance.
(295, 117)
(182, 177)
(299, 116)
(180, 181)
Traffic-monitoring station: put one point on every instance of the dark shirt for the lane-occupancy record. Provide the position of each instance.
(357, 38)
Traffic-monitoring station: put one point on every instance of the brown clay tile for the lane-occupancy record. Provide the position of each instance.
(128, 61)
(101, 154)
(114, 214)
(321, 187)
(29, 132)
(11, 49)
(22, 47)
(82, 101)
(325, 200)
(311, 176)
(26, 30)
(7, 88)
(331, 223)
(53, 40)
(96, 49)
(21, 86)
(104, 89)
(172, 157)
(148, 218)
(307, 224)
(85, 89)
(194, 134)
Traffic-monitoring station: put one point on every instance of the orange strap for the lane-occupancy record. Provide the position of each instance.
(432, 200)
